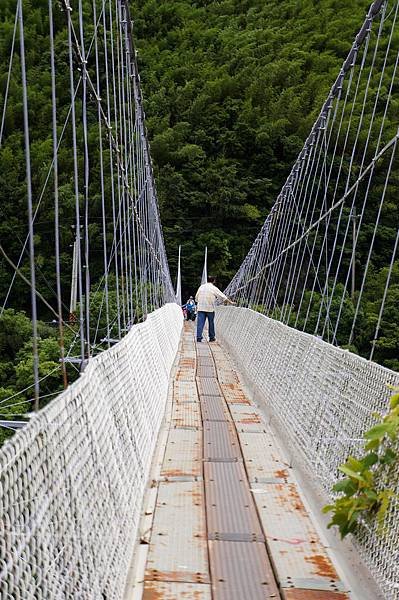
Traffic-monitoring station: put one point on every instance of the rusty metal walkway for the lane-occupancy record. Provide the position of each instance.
(227, 520)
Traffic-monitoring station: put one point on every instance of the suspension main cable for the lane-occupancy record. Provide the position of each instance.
(3, 116)
(30, 207)
(56, 198)
(86, 244)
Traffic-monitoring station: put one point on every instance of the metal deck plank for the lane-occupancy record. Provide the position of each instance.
(241, 572)
(203, 349)
(214, 409)
(220, 441)
(187, 362)
(299, 557)
(189, 354)
(205, 361)
(183, 455)
(184, 374)
(185, 391)
(179, 532)
(263, 458)
(233, 394)
(245, 415)
(159, 590)
(206, 371)
(208, 386)
(229, 506)
(227, 376)
(186, 414)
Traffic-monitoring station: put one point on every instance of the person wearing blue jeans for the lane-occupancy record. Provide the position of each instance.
(202, 317)
(206, 297)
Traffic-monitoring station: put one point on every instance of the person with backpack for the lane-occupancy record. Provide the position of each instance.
(190, 309)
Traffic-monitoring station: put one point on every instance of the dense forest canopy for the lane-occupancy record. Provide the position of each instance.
(231, 89)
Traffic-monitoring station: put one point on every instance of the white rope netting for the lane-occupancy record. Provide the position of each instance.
(323, 398)
(72, 481)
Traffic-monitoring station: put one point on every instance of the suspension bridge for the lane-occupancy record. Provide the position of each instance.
(170, 468)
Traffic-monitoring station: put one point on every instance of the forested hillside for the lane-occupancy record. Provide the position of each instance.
(231, 89)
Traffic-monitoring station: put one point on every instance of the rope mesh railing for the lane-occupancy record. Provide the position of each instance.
(73, 479)
(322, 399)
(325, 260)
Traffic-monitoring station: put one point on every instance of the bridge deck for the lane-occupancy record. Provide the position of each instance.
(227, 521)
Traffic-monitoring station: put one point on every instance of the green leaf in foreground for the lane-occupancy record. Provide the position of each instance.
(365, 492)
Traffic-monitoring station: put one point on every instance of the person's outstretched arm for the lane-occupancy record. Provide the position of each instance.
(222, 296)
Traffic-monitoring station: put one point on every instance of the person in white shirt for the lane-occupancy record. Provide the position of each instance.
(206, 297)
